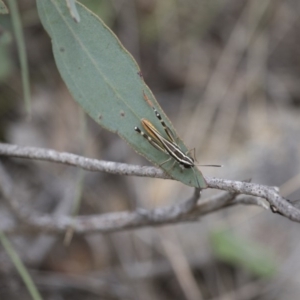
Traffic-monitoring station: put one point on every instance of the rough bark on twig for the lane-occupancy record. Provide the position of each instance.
(188, 210)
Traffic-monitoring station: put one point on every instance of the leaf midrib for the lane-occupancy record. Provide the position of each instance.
(118, 96)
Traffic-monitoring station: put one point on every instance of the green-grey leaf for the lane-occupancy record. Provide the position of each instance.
(106, 81)
(238, 251)
(3, 8)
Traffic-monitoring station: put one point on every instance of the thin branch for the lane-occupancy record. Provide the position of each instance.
(119, 221)
(108, 222)
(85, 163)
(271, 194)
(186, 211)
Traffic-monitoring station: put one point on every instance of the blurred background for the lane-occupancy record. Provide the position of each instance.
(226, 72)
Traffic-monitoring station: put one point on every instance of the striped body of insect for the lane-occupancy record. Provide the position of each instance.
(168, 146)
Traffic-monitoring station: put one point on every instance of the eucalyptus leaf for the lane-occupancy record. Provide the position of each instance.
(106, 81)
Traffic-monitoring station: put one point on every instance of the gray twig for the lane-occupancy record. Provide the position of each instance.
(189, 210)
(89, 164)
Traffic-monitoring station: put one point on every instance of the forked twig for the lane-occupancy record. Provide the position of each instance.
(186, 211)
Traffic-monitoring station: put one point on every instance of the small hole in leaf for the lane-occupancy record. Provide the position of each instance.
(62, 49)
(122, 114)
(100, 117)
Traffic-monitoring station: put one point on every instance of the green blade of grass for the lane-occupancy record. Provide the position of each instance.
(13, 255)
(16, 21)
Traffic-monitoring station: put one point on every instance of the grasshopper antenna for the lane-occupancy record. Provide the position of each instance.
(215, 166)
